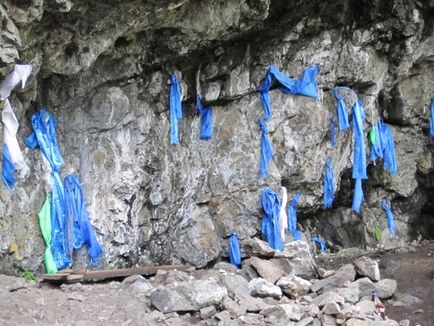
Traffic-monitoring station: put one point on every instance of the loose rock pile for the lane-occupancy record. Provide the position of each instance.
(271, 288)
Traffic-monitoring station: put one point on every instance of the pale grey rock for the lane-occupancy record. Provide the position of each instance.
(225, 267)
(406, 299)
(339, 278)
(305, 321)
(262, 288)
(366, 266)
(137, 284)
(328, 320)
(235, 284)
(301, 258)
(167, 300)
(255, 247)
(235, 310)
(331, 308)
(267, 270)
(386, 288)
(202, 293)
(207, 312)
(250, 319)
(283, 312)
(252, 304)
(294, 287)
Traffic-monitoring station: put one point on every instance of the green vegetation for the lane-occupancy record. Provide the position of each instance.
(377, 232)
(28, 276)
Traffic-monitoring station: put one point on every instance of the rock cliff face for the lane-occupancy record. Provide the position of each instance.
(102, 68)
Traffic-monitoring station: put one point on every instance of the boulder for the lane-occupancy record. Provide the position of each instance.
(331, 308)
(339, 278)
(267, 270)
(235, 310)
(207, 312)
(137, 284)
(366, 266)
(385, 288)
(167, 300)
(262, 288)
(255, 247)
(294, 287)
(202, 293)
(252, 304)
(235, 284)
(290, 311)
(300, 257)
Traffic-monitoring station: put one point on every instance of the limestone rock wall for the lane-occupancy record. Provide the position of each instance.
(102, 68)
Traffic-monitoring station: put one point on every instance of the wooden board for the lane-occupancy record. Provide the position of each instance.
(70, 276)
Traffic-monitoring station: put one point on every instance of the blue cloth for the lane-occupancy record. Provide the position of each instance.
(342, 108)
(332, 131)
(175, 109)
(44, 136)
(358, 197)
(359, 161)
(306, 85)
(206, 120)
(292, 218)
(431, 122)
(8, 169)
(82, 229)
(270, 222)
(234, 250)
(321, 242)
(388, 146)
(385, 204)
(329, 184)
(266, 150)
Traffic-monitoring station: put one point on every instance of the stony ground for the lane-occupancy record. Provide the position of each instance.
(224, 296)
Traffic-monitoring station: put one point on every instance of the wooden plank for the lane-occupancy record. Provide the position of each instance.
(71, 276)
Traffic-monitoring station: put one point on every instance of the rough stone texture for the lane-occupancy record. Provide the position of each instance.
(339, 278)
(102, 68)
(262, 288)
(300, 257)
(294, 287)
(385, 288)
(167, 300)
(267, 270)
(366, 266)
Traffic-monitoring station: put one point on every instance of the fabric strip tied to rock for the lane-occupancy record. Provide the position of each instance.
(266, 150)
(270, 222)
(292, 218)
(45, 225)
(306, 85)
(329, 187)
(342, 108)
(431, 122)
(206, 120)
(83, 232)
(175, 109)
(385, 204)
(234, 250)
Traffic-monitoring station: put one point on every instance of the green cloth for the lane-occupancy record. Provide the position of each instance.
(45, 225)
(372, 136)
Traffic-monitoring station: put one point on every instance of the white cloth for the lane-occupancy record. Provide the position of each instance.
(283, 218)
(10, 122)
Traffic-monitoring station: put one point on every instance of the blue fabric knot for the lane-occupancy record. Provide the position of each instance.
(329, 184)
(266, 150)
(292, 218)
(234, 250)
(206, 120)
(270, 222)
(321, 242)
(385, 204)
(175, 109)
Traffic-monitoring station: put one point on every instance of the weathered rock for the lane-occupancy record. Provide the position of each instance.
(331, 308)
(283, 312)
(406, 299)
(235, 310)
(267, 270)
(235, 284)
(305, 321)
(138, 284)
(351, 294)
(339, 278)
(225, 267)
(385, 288)
(329, 296)
(262, 288)
(250, 319)
(202, 293)
(294, 286)
(207, 312)
(252, 304)
(255, 247)
(300, 257)
(366, 266)
(328, 320)
(167, 300)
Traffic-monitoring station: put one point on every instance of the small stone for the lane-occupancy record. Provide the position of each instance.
(235, 310)
(404, 322)
(262, 288)
(305, 321)
(366, 266)
(207, 312)
(252, 304)
(331, 308)
(226, 267)
(137, 283)
(328, 320)
(223, 316)
(418, 311)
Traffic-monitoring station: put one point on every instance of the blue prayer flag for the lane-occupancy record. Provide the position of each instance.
(270, 222)
(329, 186)
(266, 150)
(206, 120)
(8, 169)
(175, 109)
(292, 218)
(385, 204)
(234, 250)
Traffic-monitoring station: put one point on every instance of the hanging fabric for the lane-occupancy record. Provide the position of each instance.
(266, 150)
(292, 218)
(270, 222)
(332, 131)
(283, 218)
(8, 171)
(20, 73)
(206, 120)
(83, 232)
(321, 243)
(44, 136)
(306, 85)
(388, 145)
(385, 204)
(175, 109)
(45, 225)
(375, 142)
(358, 197)
(234, 250)
(431, 122)
(342, 108)
(329, 184)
